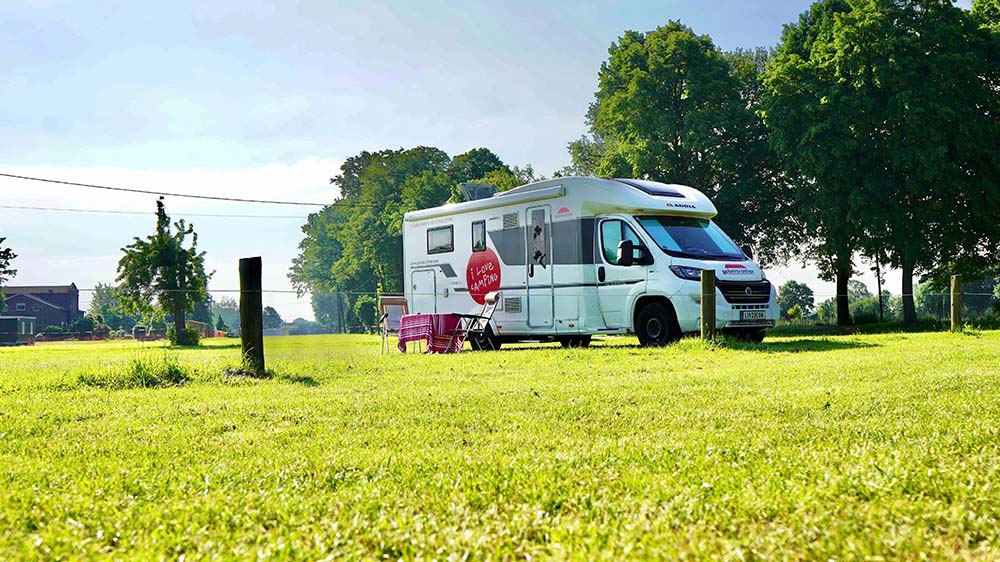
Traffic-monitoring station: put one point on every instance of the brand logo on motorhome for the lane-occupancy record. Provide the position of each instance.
(737, 269)
(482, 275)
(681, 205)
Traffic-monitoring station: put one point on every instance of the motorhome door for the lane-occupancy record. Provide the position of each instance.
(539, 267)
(424, 285)
(615, 282)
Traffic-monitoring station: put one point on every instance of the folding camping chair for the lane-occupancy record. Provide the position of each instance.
(477, 324)
(393, 309)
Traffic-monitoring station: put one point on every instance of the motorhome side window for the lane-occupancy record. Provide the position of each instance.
(478, 236)
(440, 240)
(612, 233)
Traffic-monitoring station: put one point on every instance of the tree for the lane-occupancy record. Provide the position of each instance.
(355, 243)
(161, 269)
(6, 256)
(793, 294)
(856, 290)
(989, 13)
(271, 318)
(228, 310)
(473, 164)
(221, 325)
(800, 121)
(104, 304)
(672, 107)
(888, 114)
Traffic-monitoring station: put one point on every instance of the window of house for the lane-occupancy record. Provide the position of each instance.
(20, 306)
(478, 236)
(35, 308)
(612, 233)
(440, 240)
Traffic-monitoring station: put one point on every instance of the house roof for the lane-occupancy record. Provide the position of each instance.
(42, 289)
(8, 297)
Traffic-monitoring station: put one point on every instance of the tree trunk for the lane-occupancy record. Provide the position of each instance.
(179, 321)
(909, 310)
(844, 270)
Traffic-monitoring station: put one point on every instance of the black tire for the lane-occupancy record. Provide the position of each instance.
(575, 341)
(486, 341)
(656, 325)
(750, 336)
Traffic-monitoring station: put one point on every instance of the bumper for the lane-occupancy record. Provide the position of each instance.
(727, 316)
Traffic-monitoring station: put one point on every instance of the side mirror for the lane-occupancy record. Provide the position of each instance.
(747, 250)
(626, 251)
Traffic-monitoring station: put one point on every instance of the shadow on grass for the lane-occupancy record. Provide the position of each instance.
(767, 346)
(203, 347)
(879, 328)
(797, 346)
(304, 380)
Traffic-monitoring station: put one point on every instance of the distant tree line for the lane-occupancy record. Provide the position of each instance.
(354, 247)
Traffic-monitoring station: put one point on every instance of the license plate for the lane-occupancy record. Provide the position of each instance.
(752, 315)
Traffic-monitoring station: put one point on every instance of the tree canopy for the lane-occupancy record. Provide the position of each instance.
(672, 107)
(6, 273)
(271, 318)
(882, 106)
(354, 246)
(793, 293)
(161, 275)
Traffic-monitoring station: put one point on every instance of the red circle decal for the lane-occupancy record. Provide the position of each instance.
(482, 275)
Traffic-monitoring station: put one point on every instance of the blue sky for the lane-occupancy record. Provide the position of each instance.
(268, 98)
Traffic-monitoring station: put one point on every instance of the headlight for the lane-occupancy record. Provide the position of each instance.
(684, 272)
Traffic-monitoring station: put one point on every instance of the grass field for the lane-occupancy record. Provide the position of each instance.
(805, 447)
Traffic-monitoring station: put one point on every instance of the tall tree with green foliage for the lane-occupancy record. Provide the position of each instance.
(801, 123)
(886, 109)
(161, 274)
(672, 107)
(910, 77)
(474, 164)
(355, 244)
(6, 273)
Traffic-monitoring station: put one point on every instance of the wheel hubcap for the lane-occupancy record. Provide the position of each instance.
(654, 328)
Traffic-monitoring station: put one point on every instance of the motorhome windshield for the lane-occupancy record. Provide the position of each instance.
(687, 237)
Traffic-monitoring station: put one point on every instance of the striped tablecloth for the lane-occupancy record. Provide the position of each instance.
(436, 329)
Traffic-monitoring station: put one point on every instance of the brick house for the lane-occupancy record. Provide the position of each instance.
(49, 305)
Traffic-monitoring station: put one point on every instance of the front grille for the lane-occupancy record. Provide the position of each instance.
(735, 292)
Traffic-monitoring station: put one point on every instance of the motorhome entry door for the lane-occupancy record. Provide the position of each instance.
(424, 285)
(539, 267)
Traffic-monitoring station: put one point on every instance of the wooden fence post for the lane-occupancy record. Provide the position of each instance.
(708, 303)
(956, 303)
(252, 315)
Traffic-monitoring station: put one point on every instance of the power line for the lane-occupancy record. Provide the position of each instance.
(163, 193)
(119, 212)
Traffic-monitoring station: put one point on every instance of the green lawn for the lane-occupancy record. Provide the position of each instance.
(807, 447)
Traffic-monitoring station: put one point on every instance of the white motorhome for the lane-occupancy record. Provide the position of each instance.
(573, 257)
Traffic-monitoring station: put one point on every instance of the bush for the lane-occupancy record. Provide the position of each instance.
(53, 330)
(142, 372)
(189, 336)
